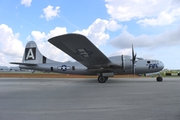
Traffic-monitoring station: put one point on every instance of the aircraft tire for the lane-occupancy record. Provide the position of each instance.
(159, 79)
(102, 79)
(106, 78)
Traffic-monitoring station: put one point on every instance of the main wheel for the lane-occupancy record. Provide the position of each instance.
(159, 79)
(106, 78)
(102, 79)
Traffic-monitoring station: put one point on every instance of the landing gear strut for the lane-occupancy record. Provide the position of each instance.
(102, 79)
(159, 78)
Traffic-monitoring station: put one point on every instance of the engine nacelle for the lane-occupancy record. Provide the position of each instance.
(126, 62)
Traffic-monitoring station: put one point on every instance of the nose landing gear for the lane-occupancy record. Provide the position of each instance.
(159, 78)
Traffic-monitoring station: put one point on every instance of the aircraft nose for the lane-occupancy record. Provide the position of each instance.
(161, 65)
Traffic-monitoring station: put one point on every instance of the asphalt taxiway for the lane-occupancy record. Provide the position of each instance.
(86, 99)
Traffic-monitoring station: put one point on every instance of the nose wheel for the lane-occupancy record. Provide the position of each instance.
(102, 79)
(159, 79)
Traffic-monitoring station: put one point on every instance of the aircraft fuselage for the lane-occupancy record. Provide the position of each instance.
(141, 67)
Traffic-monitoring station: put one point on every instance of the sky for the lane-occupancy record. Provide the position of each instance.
(152, 26)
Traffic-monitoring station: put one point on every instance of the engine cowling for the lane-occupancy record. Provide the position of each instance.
(126, 62)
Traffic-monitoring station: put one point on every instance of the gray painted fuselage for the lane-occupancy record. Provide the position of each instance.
(141, 67)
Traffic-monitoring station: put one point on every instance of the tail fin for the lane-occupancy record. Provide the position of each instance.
(32, 54)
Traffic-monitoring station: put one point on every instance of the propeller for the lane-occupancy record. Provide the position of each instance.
(133, 60)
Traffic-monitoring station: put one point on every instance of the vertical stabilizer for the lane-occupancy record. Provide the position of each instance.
(33, 55)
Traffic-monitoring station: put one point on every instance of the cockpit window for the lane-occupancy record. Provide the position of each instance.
(148, 62)
(155, 62)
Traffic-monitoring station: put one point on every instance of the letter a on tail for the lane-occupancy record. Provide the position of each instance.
(30, 54)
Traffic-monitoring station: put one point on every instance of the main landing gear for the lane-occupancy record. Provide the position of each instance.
(102, 79)
(159, 78)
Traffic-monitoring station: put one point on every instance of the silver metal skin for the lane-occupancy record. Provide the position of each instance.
(90, 60)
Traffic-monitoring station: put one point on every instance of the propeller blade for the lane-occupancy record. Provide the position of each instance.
(132, 52)
(133, 59)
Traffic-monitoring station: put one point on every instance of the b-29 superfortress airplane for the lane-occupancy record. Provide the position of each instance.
(89, 60)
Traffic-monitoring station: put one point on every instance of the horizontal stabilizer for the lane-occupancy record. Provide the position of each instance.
(27, 64)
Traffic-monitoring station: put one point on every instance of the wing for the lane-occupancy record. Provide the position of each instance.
(81, 49)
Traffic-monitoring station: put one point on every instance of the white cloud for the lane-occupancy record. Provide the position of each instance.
(146, 12)
(96, 31)
(45, 47)
(126, 51)
(38, 36)
(166, 39)
(10, 47)
(57, 31)
(41, 37)
(164, 18)
(113, 25)
(50, 13)
(27, 3)
(2, 59)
